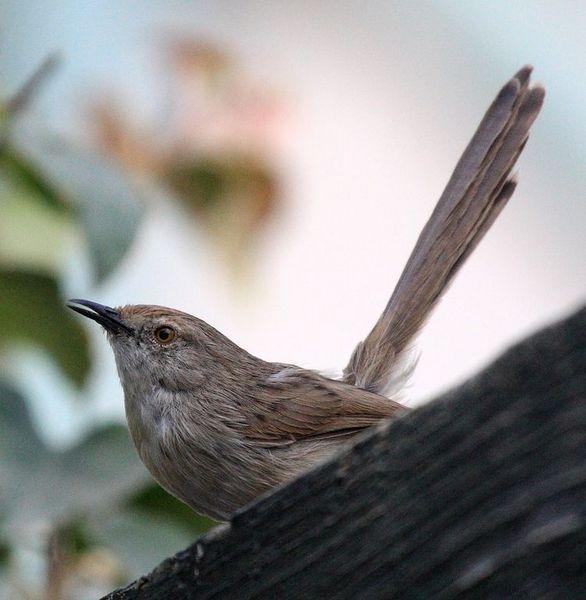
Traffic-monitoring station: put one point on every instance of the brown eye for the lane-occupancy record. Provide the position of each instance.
(164, 334)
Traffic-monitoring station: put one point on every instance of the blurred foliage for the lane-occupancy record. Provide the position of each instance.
(103, 201)
(32, 311)
(233, 197)
(15, 168)
(213, 151)
(96, 494)
(35, 224)
(89, 512)
(59, 484)
(153, 499)
(4, 554)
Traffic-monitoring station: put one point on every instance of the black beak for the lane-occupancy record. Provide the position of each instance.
(107, 317)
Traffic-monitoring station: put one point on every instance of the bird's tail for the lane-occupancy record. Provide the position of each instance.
(478, 190)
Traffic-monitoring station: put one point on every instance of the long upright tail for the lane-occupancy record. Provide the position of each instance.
(476, 193)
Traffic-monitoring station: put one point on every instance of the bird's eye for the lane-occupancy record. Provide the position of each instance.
(164, 334)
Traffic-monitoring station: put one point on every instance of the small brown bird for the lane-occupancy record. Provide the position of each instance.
(217, 426)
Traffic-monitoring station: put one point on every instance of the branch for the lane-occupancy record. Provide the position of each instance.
(25, 95)
(22, 99)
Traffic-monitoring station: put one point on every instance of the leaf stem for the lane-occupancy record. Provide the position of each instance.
(57, 564)
(26, 94)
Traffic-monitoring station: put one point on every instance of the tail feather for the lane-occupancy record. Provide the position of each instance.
(475, 195)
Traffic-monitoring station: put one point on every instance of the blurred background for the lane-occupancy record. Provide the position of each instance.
(267, 167)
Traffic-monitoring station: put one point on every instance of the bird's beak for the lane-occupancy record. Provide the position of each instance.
(107, 317)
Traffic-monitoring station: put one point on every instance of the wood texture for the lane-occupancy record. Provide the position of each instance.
(479, 494)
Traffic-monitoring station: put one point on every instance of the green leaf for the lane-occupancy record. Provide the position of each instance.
(19, 444)
(32, 233)
(198, 183)
(209, 184)
(104, 463)
(32, 310)
(21, 174)
(4, 554)
(155, 500)
(106, 203)
(97, 492)
(41, 485)
(77, 538)
(140, 541)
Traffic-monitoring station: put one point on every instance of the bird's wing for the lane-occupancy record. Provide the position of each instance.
(296, 404)
(474, 196)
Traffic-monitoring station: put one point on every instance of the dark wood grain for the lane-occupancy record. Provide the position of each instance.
(479, 494)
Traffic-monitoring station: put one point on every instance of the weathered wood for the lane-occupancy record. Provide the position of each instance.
(479, 494)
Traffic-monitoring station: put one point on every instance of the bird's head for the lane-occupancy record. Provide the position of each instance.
(159, 346)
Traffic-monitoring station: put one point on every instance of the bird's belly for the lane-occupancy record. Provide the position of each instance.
(211, 484)
(215, 475)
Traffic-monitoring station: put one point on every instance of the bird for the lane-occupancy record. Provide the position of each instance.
(218, 427)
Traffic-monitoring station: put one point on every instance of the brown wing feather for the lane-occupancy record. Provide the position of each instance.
(303, 405)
